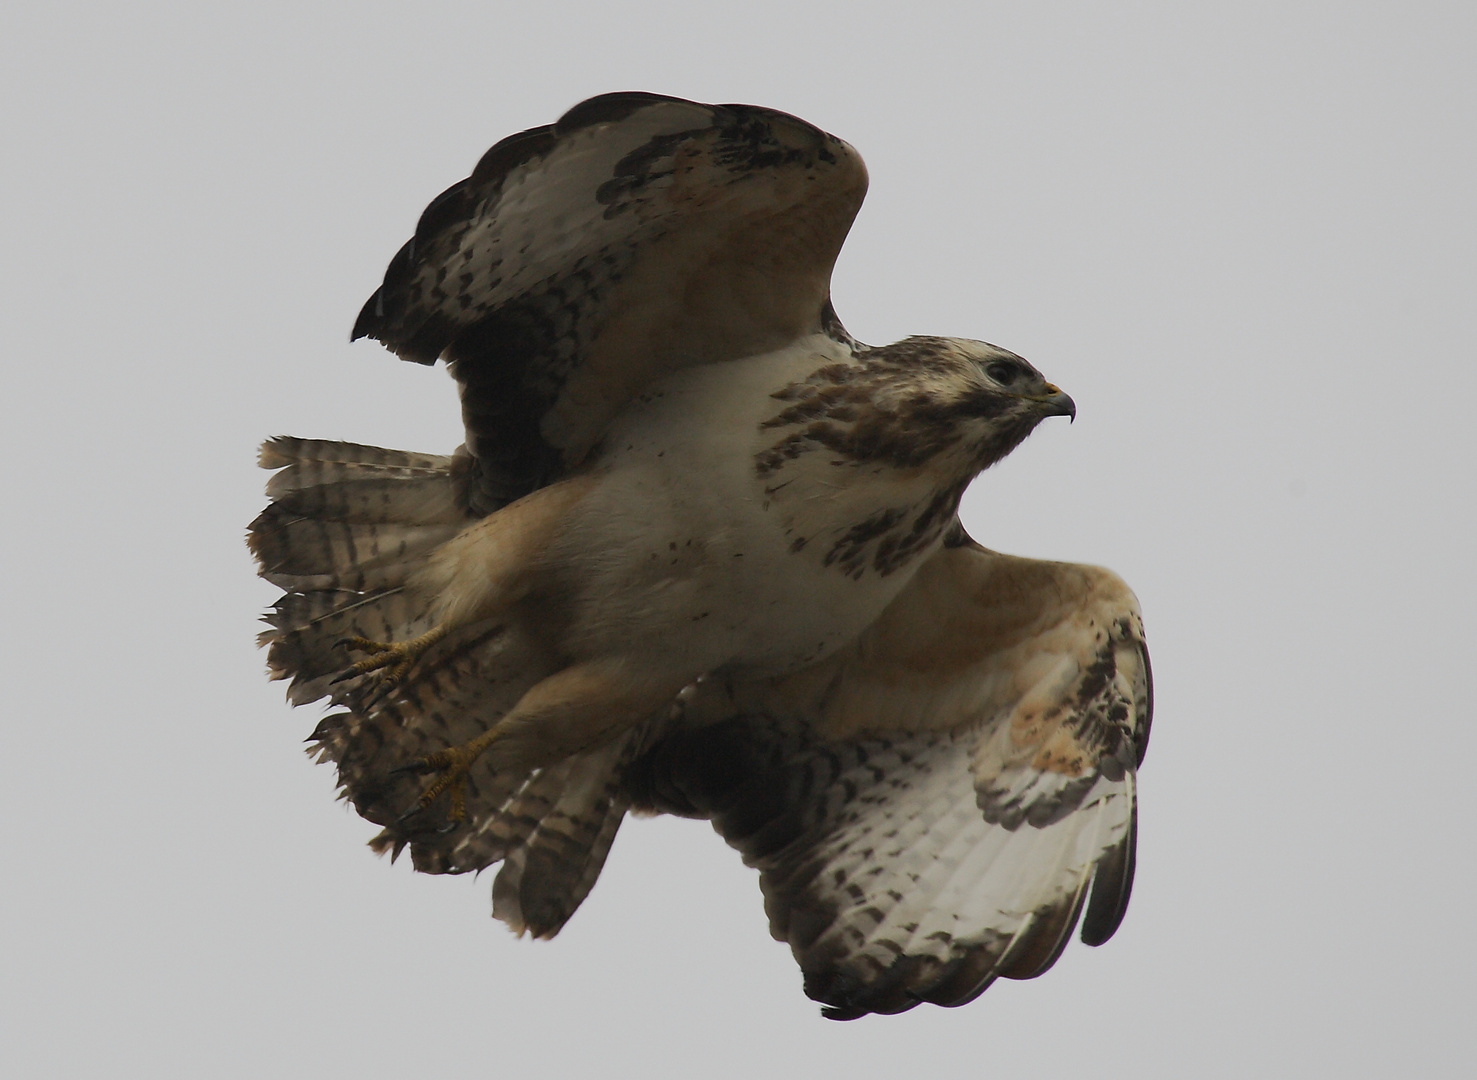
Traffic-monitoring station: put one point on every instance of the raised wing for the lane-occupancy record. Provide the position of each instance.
(930, 809)
(580, 261)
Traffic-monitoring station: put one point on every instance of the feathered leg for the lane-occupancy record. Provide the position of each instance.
(480, 572)
(565, 714)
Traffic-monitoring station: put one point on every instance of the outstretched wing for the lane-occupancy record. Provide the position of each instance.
(580, 261)
(932, 808)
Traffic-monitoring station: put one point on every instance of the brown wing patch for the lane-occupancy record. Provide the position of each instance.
(877, 868)
(582, 260)
(1061, 753)
(935, 807)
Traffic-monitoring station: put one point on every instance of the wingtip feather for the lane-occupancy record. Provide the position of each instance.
(1112, 888)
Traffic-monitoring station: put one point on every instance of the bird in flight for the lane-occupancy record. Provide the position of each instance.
(700, 554)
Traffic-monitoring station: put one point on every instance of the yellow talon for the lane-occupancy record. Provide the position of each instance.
(453, 764)
(398, 656)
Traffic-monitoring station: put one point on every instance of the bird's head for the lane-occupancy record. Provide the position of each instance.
(947, 405)
(987, 398)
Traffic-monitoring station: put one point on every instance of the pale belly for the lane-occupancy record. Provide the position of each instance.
(685, 553)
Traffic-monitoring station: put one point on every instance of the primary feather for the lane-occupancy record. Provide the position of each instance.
(699, 554)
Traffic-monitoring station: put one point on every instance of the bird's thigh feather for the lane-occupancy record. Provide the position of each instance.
(502, 558)
(577, 709)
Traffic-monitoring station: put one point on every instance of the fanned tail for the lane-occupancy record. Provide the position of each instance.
(348, 527)
(348, 531)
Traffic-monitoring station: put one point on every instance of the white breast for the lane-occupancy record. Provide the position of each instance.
(685, 550)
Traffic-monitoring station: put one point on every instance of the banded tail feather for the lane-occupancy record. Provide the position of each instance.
(347, 532)
(608, 599)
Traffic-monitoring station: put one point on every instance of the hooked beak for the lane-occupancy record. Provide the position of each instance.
(1056, 403)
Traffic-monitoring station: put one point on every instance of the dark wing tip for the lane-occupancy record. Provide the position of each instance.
(910, 981)
(970, 976)
(846, 997)
(382, 317)
(613, 107)
(769, 116)
(1112, 886)
(913, 980)
(386, 316)
(1039, 950)
(504, 156)
(1148, 718)
(371, 315)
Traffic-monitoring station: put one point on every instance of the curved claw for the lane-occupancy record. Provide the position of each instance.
(453, 764)
(423, 802)
(451, 824)
(398, 656)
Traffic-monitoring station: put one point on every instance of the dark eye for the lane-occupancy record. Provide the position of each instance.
(1002, 372)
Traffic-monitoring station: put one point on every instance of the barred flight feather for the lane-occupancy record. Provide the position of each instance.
(912, 847)
(655, 569)
(875, 863)
(348, 530)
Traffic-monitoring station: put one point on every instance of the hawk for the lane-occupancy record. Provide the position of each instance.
(700, 554)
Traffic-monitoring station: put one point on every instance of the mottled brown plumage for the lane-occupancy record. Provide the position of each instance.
(700, 554)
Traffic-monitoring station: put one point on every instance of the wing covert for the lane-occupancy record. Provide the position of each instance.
(935, 807)
(582, 260)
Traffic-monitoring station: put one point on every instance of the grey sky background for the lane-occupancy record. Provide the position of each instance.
(1241, 236)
